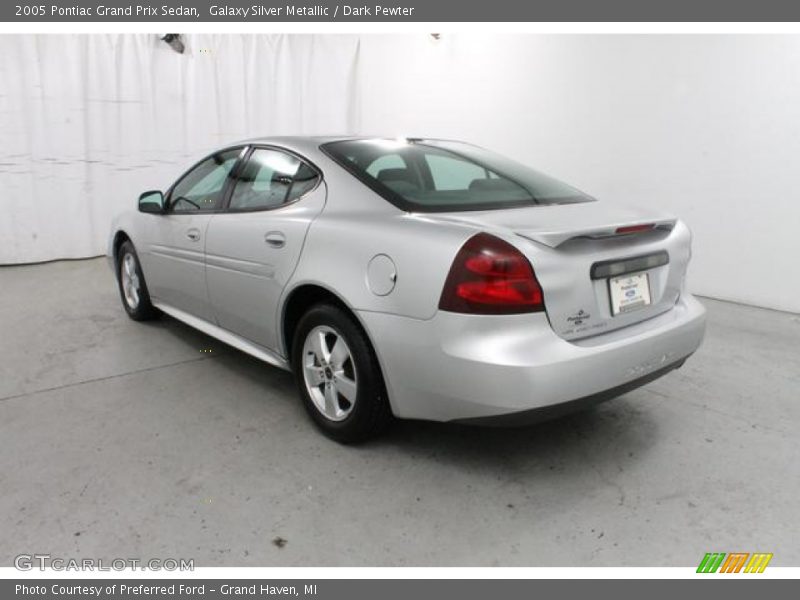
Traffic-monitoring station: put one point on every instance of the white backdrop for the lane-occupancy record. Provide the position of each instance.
(707, 127)
(88, 122)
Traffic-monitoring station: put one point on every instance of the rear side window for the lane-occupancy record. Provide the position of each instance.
(435, 176)
(269, 179)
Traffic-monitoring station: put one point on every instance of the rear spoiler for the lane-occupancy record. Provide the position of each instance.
(554, 239)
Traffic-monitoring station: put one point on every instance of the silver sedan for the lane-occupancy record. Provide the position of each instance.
(412, 278)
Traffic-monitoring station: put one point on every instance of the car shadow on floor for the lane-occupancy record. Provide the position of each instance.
(620, 430)
(617, 432)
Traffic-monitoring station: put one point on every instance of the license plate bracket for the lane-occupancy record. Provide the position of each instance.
(628, 293)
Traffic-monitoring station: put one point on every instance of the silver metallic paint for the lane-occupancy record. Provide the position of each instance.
(437, 365)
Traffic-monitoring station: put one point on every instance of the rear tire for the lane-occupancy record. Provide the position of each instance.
(338, 375)
(132, 286)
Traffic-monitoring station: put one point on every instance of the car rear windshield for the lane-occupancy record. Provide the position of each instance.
(438, 176)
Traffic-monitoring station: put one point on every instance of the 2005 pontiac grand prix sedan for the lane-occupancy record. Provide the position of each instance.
(414, 278)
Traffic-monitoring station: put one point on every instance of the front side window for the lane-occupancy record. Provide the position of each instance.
(270, 179)
(201, 188)
(435, 176)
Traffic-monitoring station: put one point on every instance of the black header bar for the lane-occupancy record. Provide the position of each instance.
(209, 11)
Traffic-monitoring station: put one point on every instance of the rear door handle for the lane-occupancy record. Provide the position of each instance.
(193, 234)
(275, 239)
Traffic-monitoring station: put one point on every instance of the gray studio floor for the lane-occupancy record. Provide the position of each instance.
(119, 439)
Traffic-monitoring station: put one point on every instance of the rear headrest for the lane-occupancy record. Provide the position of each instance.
(493, 185)
(385, 175)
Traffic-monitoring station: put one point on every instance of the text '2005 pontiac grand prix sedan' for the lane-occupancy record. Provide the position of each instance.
(413, 278)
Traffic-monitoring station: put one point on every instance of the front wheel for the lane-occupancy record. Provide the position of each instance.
(132, 287)
(338, 375)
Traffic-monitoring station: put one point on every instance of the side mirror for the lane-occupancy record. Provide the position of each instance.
(151, 202)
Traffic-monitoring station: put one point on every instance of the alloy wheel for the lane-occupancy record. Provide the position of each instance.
(329, 373)
(130, 281)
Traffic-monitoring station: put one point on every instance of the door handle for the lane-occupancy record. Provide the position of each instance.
(275, 239)
(193, 234)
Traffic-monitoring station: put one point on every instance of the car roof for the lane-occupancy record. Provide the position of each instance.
(309, 144)
(316, 139)
(305, 145)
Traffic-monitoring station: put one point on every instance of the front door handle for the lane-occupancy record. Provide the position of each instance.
(275, 239)
(193, 234)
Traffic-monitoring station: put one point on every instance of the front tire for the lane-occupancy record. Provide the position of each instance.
(132, 286)
(338, 375)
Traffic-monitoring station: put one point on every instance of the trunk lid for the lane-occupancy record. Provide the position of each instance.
(576, 252)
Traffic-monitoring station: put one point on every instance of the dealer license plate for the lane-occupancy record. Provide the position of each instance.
(629, 292)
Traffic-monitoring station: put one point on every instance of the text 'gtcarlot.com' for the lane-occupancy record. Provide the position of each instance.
(28, 562)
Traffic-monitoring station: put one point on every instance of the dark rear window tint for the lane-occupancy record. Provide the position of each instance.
(436, 176)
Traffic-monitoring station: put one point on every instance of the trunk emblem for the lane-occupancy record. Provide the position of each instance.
(579, 317)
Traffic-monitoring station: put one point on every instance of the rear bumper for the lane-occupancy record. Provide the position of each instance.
(513, 369)
(545, 413)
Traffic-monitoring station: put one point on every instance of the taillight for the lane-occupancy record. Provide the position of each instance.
(491, 277)
(634, 228)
